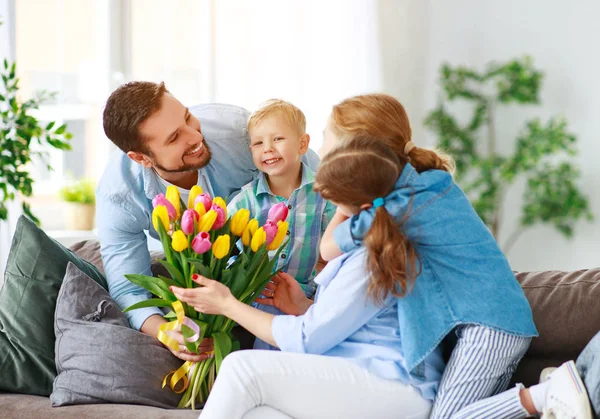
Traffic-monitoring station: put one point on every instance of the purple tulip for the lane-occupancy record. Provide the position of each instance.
(278, 212)
(188, 220)
(205, 199)
(201, 243)
(161, 200)
(270, 228)
(220, 221)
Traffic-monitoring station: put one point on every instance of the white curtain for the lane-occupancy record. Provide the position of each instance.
(7, 43)
(312, 53)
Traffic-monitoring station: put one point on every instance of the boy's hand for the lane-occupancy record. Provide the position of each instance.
(211, 298)
(285, 293)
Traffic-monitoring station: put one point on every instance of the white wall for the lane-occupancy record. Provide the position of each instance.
(562, 38)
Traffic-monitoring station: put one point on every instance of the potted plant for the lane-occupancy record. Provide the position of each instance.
(542, 156)
(81, 199)
(18, 131)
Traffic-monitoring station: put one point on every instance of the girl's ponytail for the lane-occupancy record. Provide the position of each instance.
(392, 259)
(363, 171)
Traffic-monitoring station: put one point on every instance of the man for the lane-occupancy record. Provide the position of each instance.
(162, 143)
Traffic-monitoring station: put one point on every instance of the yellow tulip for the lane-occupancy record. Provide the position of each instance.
(221, 202)
(173, 197)
(239, 222)
(179, 241)
(194, 192)
(253, 226)
(199, 207)
(246, 237)
(282, 229)
(207, 220)
(160, 214)
(221, 246)
(250, 229)
(258, 239)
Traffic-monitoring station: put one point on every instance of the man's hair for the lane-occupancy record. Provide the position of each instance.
(127, 108)
(291, 113)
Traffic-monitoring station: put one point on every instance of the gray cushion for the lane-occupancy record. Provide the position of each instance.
(105, 360)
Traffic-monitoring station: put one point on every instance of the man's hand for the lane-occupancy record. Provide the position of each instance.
(285, 293)
(151, 327)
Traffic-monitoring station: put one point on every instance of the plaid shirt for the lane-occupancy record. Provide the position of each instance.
(308, 218)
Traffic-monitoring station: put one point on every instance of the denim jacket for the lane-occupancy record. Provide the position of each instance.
(465, 278)
(124, 200)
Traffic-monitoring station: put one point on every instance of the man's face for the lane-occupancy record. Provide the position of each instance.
(173, 139)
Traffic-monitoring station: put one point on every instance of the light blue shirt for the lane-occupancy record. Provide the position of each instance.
(124, 200)
(345, 322)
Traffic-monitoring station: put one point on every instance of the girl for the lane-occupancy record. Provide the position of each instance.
(342, 357)
(466, 285)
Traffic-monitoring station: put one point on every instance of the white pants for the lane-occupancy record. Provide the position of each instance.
(280, 385)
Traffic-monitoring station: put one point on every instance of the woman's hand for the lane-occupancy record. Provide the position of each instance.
(285, 293)
(211, 298)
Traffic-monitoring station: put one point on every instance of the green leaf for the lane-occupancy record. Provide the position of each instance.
(187, 333)
(201, 269)
(174, 272)
(152, 302)
(223, 346)
(155, 285)
(60, 130)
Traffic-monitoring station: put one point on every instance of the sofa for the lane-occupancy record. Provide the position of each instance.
(564, 306)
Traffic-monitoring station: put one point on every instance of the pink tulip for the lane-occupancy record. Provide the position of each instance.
(270, 228)
(201, 243)
(188, 220)
(220, 221)
(278, 212)
(161, 200)
(205, 199)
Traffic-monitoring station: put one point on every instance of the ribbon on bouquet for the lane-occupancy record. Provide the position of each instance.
(164, 336)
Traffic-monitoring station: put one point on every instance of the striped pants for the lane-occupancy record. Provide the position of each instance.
(479, 370)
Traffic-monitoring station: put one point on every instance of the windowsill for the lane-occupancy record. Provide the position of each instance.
(69, 237)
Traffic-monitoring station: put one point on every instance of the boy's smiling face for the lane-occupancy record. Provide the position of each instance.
(277, 147)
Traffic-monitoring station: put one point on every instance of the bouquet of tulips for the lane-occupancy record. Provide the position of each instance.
(201, 239)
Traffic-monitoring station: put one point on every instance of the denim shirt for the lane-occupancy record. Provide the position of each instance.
(345, 322)
(465, 277)
(124, 200)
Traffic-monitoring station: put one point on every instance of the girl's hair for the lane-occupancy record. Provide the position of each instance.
(356, 173)
(382, 117)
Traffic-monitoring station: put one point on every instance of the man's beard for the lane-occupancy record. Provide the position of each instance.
(185, 167)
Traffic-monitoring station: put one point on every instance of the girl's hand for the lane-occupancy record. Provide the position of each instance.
(285, 293)
(211, 298)
(328, 247)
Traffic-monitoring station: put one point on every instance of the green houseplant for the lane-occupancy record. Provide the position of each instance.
(18, 131)
(80, 195)
(543, 152)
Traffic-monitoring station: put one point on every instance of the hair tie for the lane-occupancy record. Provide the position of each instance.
(378, 202)
(408, 147)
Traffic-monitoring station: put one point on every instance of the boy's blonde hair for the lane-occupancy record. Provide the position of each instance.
(294, 116)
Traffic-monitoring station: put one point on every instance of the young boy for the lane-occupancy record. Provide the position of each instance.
(278, 139)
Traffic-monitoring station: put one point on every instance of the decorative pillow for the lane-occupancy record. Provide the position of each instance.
(99, 358)
(34, 272)
(566, 313)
